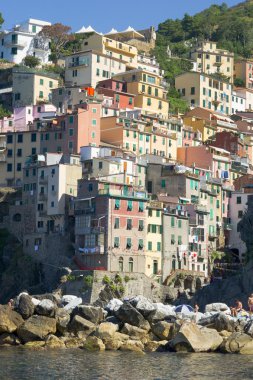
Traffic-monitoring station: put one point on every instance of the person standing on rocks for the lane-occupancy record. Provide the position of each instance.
(250, 303)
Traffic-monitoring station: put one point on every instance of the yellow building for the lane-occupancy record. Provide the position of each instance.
(201, 90)
(112, 48)
(150, 95)
(31, 87)
(139, 138)
(153, 255)
(17, 147)
(210, 60)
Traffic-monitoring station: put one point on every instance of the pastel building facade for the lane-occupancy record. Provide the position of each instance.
(24, 40)
(210, 60)
(243, 69)
(87, 68)
(201, 90)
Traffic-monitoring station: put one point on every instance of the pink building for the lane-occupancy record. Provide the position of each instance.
(117, 90)
(207, 157)
(110, 226)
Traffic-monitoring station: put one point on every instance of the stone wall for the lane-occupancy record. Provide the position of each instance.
(137, 284)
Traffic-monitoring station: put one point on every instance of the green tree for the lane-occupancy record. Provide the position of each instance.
(238, 82)
(4, 112)
(59, 35)
(1, 20)
(31, 61)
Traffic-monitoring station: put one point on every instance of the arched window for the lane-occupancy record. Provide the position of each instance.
(121, 264)
(131, 265)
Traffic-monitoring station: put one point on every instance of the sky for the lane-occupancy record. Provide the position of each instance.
(102, 15)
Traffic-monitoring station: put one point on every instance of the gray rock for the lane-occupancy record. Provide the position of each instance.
(217, 307)
(238, 343)
(113, 305)
(91, 313)
(191, 339)
(36, 327)
(80, 324)
(224, 322)
(46, 307)
(134, 332)
(94, 343)
(142, 304)
(25, 306)
(128, 314)
(73, 303)
(62, 318)
(9, 340)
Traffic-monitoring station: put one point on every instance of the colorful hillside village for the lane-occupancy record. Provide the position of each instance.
(95, 155)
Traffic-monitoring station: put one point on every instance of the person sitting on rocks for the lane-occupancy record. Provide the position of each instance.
(237, 309)
(250, 304)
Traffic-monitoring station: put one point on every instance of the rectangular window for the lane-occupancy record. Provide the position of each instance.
(129, 243)
(94, 122)
(97, 72)
(19, 167)
(71, 132)
(192, 90)
(141, 206)
(117, 204)
(129, 224)
(42, 81)
(41, 95)
(179, 223)
(141, 225)
(239, 200)
(150, 245)
(172, 221)
(158, 246)
(163, 183)
(14, 50)
(129, 205)
(116, 242)
(71, 119)
(20, 138)
(33, 137)
(9, 167)
(116, 223)
(179, 240)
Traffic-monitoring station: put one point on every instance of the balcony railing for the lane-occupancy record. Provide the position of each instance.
(122, 193)
(84, 211)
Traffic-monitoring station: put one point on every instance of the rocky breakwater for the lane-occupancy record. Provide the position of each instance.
(135, 324)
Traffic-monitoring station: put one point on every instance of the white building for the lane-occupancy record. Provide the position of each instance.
(24, 40)
(238, 102)
(248, 95)
(87, 68)
(238, 206)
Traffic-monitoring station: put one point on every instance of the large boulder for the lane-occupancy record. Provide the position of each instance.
(9, 320)
(113, 305)
(25, 306)
(163, 330)
(81, 324)
(224, 322)
(73, 303)
(46, 307)
(134, 332)
(36, 327)
(128, 314)
(106, 330)
(91, 313)
(62, 318)
(217, 307)
(142, 304)
(192, 339)
(94, 343)
(161, 312)
(238, 343)
(73, 342)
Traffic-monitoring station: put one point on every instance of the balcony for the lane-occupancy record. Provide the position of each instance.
(2, 145)
(120, 47)
(42, 197)
(123, 193)
(201, 208)
(87, 250)
(42, 214)
(78, 64)
(2, 157)
(20, 45)
(43, 180)
(84, 211)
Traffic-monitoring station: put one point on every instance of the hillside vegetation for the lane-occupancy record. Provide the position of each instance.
(231, 28)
